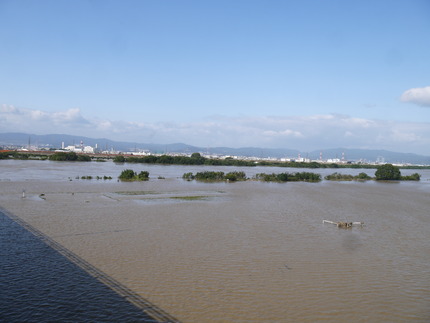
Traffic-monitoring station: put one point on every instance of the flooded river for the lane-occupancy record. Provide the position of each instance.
(238, 252)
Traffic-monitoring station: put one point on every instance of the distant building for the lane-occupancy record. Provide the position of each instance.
(333, 160)
(88, 150)
(380, 160)
(80, 149)
(138, 153)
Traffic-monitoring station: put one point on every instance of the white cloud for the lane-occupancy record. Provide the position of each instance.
(305, 133)
(9, 109)
(26, 120)
(68, 116)
(420, 96)
(38, 115)
(283, 133)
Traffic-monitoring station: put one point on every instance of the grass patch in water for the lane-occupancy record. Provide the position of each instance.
(189, 198)
(136, 192)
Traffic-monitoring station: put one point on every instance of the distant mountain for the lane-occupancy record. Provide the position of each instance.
(56, 140)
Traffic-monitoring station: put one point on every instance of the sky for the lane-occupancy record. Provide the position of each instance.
(304, 75)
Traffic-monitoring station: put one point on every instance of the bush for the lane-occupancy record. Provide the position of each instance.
(4, 155)
(347, 177)
(188, 176)
(143, 176)
(209, 176)
(119, 159)
(84, 158)
(413, 177)
(339, 177)
(287, 177)
(127, 174)
(235, 176)
(387, 172)
(131, 175)
(71, 156)
(308, 177)
(363, 177)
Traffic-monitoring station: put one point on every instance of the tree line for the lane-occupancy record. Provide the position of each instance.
(70, 156)
(197, 159)
(194, 159)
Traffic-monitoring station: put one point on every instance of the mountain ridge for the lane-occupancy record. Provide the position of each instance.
(56, 140)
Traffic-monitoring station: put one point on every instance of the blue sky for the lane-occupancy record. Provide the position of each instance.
(306, 74)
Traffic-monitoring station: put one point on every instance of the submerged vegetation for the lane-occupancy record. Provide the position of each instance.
(241, 176)
(289, 177)
(389, 172)
(97, 177)
(413, 177)
(386, 172)
(189, 198)
(347, 177)
(383, 173)
(215, 176)
(131, 175)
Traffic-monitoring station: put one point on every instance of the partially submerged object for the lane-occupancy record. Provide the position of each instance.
(344, 225)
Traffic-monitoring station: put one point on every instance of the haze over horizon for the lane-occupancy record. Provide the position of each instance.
(277, 74)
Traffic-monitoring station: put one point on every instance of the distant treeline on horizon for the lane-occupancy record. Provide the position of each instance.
(194, 159)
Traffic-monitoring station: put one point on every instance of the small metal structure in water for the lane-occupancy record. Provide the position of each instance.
(344, 225)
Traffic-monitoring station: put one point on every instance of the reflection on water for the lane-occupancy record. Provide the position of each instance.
(251, 252)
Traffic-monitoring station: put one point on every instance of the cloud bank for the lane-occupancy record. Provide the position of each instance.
(420, 96)
(305, 133)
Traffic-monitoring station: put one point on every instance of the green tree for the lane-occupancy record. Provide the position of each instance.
(127, 174)
(70, 156)
(235, 176)
(4, 155)
(209, 176)
(413, 177)
(387, 172)
(188, 176)
(197, 159)
(165, 159)
(84, 158)
(131, 175)
(143, 176)
(119, 159)
(363, 176)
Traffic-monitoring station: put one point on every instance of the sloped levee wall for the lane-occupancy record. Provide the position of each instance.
(43, 282)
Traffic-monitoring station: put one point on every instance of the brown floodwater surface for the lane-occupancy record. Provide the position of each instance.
(247, 251)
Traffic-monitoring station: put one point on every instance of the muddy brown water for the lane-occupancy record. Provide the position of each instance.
(238, 252)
